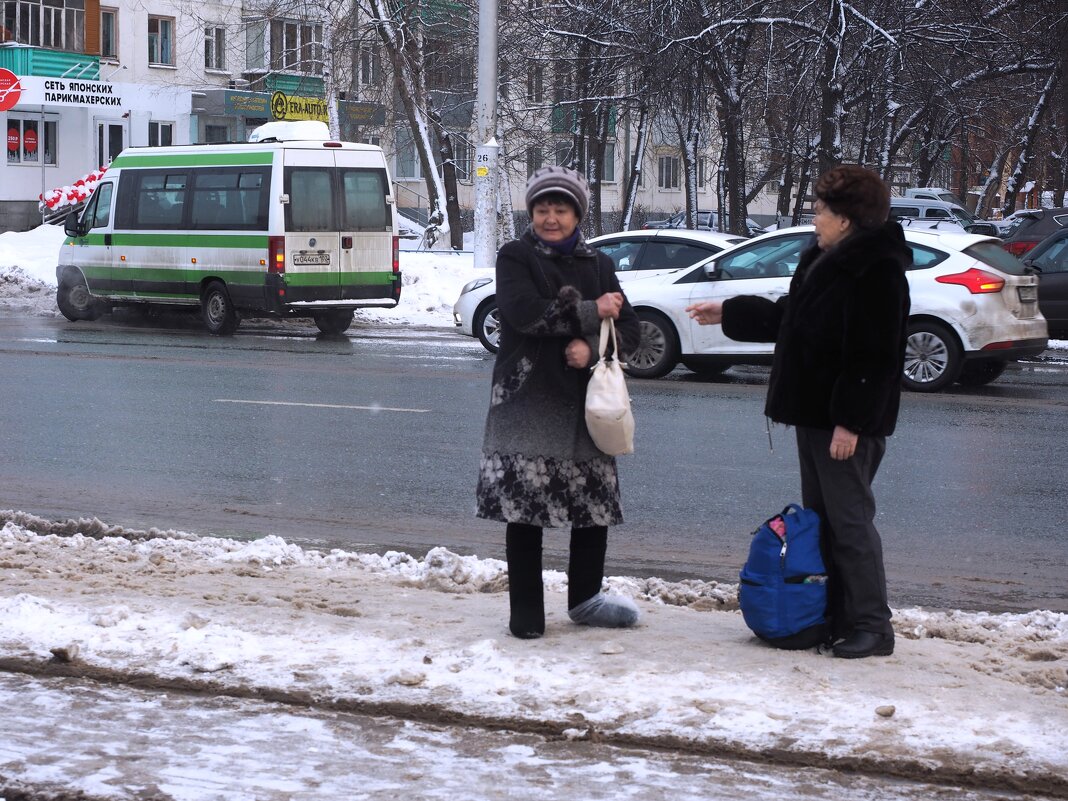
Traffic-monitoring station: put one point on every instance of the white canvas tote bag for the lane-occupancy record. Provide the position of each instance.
(608, 414)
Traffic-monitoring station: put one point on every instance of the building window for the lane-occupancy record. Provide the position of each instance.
(563, 154)
(296, 46)
(701, 170)
(216, 133)
(28, 144)
(463, 157)
(534, 159)
(372, 140)
(57, 24)
(609, 162)
(667, 172)
(160, 134)
(255, 44)
(161, 41)
(407, 164)
(214, 48)
(370, 66)
(109, 33)
(536, 84)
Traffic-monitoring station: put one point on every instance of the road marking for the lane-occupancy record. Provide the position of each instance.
(322, 405)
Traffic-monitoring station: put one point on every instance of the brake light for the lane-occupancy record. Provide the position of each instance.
(1018, 249)
(276, 254)
(396, 254)
(978, 282)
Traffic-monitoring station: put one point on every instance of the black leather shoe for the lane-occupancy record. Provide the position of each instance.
(861, 644)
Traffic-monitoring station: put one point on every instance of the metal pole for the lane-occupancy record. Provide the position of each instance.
(486, 151)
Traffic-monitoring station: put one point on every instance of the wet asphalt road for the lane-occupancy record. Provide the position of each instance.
(371, 441)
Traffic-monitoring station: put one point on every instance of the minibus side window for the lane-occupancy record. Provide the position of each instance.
(311, 196)
(102, 213)
(229, 198)
(364, 195)
(151, 199)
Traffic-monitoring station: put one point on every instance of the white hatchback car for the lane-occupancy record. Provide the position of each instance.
(636, 254)
(974, 308)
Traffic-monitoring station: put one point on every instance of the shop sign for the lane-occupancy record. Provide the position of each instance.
(29, 141)
(294, 107)
(12, 139)
(64, 92)
(10, 89)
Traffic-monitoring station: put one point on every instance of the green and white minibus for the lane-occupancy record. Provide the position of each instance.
(268, 228)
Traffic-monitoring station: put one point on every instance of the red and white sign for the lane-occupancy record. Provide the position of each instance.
(10, 89)
(29, 141)
(12, 139)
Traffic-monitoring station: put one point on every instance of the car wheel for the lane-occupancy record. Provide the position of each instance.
(933, 357)
(658, 349)
(218, 310)
(75, 301)
(333, 322)
(487, 325)
(978, 372)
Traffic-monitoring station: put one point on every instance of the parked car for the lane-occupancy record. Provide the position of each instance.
(1034, 226)
(706, 221)
(636, 253)
(934, 193)
(1007, 224)
(1050, 259)
(974, 308)
(939, 214)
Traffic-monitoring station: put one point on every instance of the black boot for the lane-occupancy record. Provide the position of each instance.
(585, 567)
(526, 592)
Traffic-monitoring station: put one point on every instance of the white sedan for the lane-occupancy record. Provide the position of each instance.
(635, 253)
(974, 308)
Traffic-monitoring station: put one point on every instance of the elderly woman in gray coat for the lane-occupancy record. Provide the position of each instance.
(539, 466)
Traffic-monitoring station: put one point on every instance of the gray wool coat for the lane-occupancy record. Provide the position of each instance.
(538, 464)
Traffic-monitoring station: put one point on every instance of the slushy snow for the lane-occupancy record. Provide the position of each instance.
(164, 664)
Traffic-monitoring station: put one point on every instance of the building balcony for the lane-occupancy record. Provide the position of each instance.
(44, 63)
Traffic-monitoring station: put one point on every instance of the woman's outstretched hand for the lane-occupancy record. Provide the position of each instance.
(710, 312)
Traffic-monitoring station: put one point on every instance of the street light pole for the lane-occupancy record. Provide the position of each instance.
(486, 151)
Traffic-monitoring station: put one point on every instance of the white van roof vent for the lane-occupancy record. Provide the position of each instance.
(291, 131)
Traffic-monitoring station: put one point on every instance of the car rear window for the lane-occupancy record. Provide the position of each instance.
(993, 255)
(924, 257)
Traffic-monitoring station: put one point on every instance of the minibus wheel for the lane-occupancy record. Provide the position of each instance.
(333, 322)
(75, 301)
(218, 311)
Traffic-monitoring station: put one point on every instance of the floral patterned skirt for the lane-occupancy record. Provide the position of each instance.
(547, 492)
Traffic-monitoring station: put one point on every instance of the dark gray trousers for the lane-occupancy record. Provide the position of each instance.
(840, 491)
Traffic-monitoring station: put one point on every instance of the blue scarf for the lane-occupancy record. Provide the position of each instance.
(564, 247)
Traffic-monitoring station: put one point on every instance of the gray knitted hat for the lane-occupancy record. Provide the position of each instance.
(559, 180)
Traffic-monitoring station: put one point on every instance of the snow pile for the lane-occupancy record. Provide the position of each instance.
(971, 698)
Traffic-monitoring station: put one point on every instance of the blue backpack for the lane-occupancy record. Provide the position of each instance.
(783, 585)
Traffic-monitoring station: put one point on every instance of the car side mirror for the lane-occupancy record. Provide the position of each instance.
(71, 227)
(712, 271)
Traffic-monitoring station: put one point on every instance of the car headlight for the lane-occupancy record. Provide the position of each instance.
(473, 285)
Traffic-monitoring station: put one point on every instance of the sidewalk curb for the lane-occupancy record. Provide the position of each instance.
(1044, 783)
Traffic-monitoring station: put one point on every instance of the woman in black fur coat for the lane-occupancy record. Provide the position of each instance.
(836, 377)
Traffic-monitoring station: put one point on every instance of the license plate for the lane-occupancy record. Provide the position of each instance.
(1028, 294)
(305, 259)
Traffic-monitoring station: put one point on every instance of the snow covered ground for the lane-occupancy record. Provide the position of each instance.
(163, 665)
(969, 700)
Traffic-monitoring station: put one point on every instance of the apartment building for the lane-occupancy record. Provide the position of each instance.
(80, 80)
